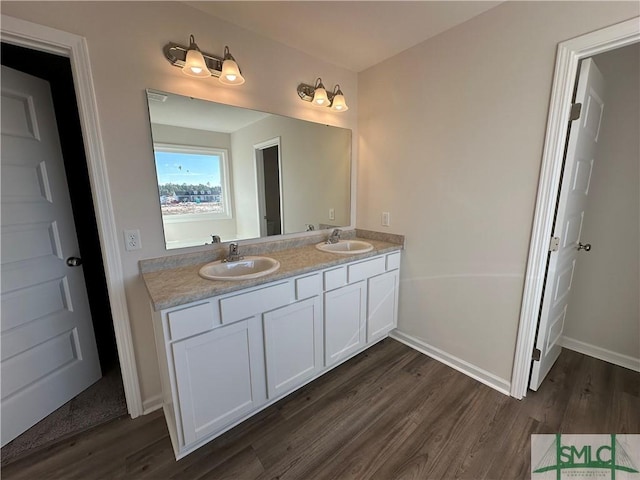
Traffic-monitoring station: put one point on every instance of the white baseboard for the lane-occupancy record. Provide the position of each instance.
(601, 353)
(152, 404)
(488, 378)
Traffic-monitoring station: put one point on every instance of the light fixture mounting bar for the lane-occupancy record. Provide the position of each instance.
(305, 92)
(176, 55)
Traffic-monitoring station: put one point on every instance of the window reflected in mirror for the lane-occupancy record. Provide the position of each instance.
(192, 181)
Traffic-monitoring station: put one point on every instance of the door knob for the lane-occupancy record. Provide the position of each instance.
(586, 246)
(74, 261)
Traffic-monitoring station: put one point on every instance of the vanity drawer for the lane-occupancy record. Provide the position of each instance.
(366, 269)
(307, 287)
(190, 321)
(393, 261)
(335, 278)
(245, 305)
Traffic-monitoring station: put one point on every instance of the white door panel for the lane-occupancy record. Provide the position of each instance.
(572, 202)
(49, 353)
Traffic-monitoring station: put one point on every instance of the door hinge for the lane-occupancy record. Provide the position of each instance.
(536, 354)
(554, 245)
(576, 108)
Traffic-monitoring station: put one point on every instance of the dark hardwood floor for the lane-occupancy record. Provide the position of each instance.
(389, 413)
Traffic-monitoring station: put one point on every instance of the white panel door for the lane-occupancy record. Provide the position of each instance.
(49, 352)
(382, 305)
(293, 345)
(579, 162)
(344, 321)
(220, 377)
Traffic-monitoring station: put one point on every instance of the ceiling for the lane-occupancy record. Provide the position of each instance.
(354, 35)
(187, 112)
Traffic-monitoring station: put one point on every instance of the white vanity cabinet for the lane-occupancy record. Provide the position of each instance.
(293, 345)
(382, 305)
(217, 376)
(344, 323)
(224, 358)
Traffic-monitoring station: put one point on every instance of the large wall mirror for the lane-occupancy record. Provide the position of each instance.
(236, 173)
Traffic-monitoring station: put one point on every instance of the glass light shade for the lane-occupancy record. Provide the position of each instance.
(231, 73)
(320, 97)
(194, 64)
(339, 104)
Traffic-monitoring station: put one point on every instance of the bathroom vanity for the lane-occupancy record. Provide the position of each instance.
(229, 349)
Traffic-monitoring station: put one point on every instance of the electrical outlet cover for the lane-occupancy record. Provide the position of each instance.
(132, 240)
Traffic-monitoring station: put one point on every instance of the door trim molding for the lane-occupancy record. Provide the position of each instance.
(568, 57)
(39, 37)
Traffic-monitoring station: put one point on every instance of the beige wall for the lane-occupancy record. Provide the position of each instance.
(125, 41)
(604, 306)
(453, 152)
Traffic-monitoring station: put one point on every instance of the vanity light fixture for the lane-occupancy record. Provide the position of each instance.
(318, 96)
(196, 63)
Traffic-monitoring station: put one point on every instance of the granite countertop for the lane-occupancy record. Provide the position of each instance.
(170, 287)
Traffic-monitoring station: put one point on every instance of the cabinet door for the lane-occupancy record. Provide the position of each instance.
(382, 305)
(344, 321)
(293, 345)
(218, 377)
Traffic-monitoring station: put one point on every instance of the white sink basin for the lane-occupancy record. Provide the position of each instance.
(345, 247)
(245, 269)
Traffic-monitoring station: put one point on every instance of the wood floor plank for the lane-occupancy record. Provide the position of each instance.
(363, 455)
(245, 465)
(359, 366)
(390, 419)
(416, 456)
(476, 460)
(55, 459)
(307, 436)
(513, 459)
(392, 413)
(463, 433)
(224, 447)
(588, 409)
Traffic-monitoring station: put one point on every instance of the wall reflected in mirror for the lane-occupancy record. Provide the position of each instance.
(235, 173)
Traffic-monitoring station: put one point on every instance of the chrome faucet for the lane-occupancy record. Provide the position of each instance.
(335, 236)
(215, 239)
(234, 255)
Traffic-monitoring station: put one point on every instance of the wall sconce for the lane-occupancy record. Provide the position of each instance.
(196, 63)
(318, 96)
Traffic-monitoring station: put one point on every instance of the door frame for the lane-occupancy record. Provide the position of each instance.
(259, 163)
(568, 57)
(39, 37)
